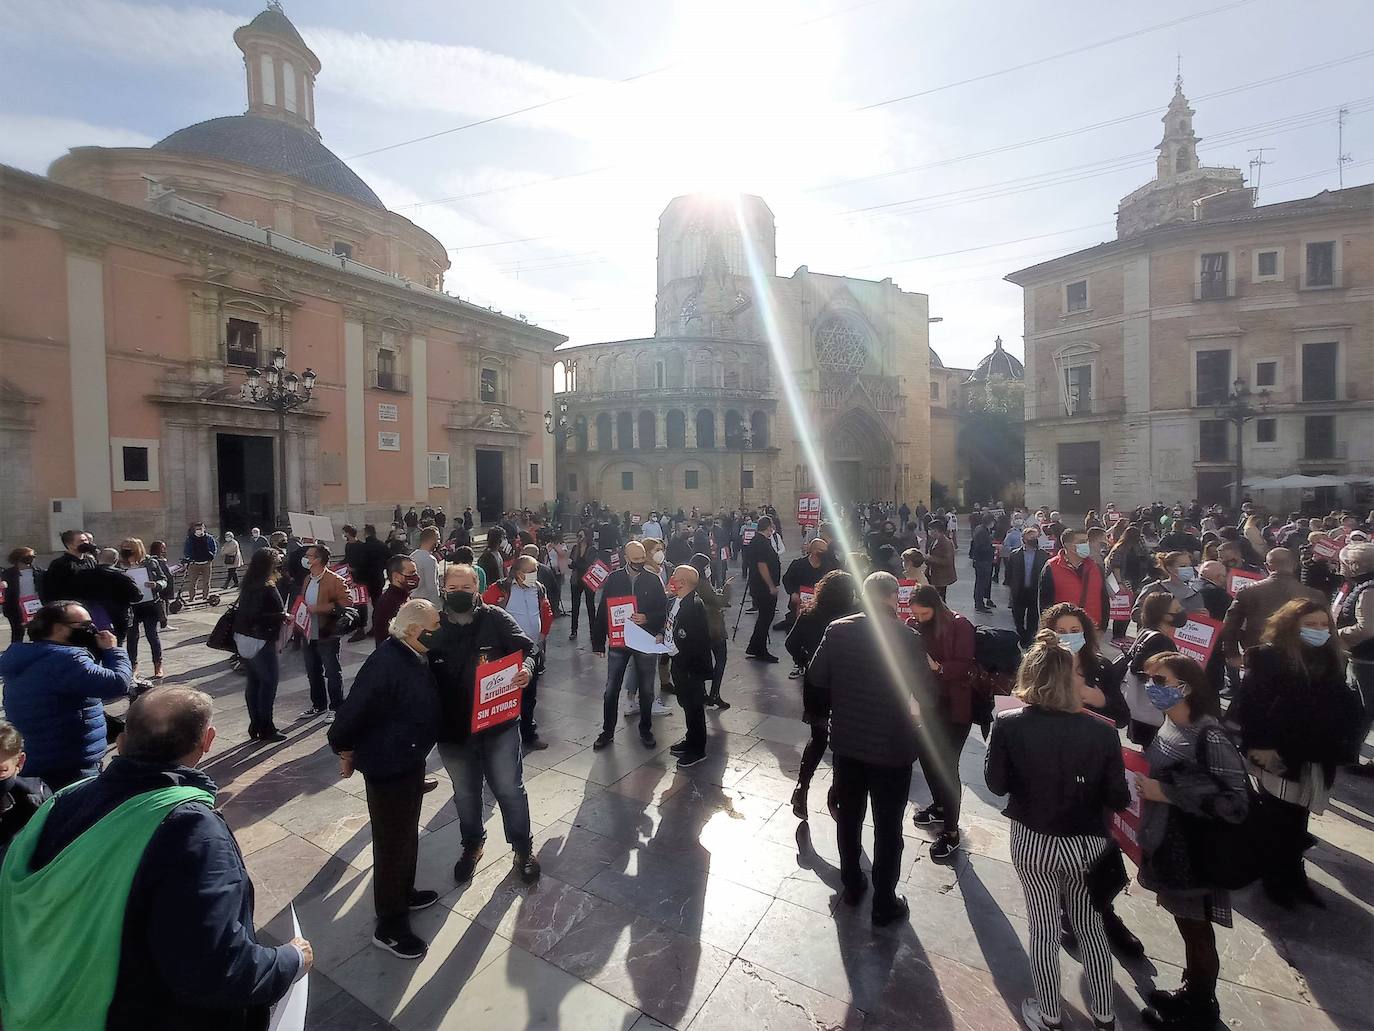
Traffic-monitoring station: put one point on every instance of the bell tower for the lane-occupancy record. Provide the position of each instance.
(280, 68)
(1178, 149)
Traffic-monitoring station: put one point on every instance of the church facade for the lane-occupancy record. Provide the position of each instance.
(745, 369)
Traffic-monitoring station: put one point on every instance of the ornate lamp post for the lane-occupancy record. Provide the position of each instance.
(1239, 408)
(281, 390)
(557, 424)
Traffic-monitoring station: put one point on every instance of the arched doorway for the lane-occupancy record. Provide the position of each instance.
(858, 459)
(677, 429)
(706, 428)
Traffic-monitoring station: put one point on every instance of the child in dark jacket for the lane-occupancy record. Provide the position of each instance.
(20, 797)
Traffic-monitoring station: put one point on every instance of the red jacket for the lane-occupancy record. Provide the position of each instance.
(953, 650)
(1083, 586)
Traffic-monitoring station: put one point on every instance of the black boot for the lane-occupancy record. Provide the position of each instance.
(1187, 1009)
(799, 802)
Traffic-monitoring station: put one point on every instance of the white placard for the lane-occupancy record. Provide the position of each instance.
(306, 526)
(640, 640)
(388, 440)
(388, 413)
(139, 576)
(289, 1013)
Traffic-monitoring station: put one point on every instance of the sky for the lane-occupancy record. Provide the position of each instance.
(943, 145)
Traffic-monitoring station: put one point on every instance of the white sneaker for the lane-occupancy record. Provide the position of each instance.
(1035, 1020)
(329, 716)
(662, 708)
(632, 709)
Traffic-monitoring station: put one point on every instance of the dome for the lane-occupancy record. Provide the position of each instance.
(274, 146)
(998, 365)
(935, 362)
(274, 22)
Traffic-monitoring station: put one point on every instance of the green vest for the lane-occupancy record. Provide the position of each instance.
(61, 927)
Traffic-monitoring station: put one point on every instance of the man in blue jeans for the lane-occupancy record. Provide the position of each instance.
(326, 596)
(651, 609)
(471, 633)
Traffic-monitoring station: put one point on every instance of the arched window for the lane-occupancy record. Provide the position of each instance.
(732, 370)
(1181, 162)
(603, 431)
(624, 432)
(706, 428)
(580, 432)
(644, 372)
(624, 375)
(677, 429)
(758, 423)
(734, 429)
(288, 86)
(648, 429)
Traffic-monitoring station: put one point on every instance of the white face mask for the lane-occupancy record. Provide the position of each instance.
(658, 558)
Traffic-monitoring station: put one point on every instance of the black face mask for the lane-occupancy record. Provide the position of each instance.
(83, 635)
(87, 549)
(638, 567)
(1178, 618)
(460, 602)
(427, 638)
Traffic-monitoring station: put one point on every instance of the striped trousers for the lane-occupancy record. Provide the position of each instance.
(1052, 868)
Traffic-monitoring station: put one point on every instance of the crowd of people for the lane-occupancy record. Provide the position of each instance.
(1242, 742)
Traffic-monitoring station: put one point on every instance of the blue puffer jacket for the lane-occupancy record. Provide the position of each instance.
(53, 694)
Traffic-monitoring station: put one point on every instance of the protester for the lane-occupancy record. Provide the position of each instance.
(427, 566)
(1072, 576)
(1160, 619)
(258, 620)
(650, 610)
(23, 586)
(715, 601)
(1024, 568)
(687, 634)
(401, 579)
(132, 890)
(982, 552)
(471, 633)
(805, 572)
(1102, 683)
(325, 597)
(1194, 770)
(60, 583)
(1354, 614)
(1314, 571)
(940, 557)
(198, 556)
(875, 671)
(20, 797)
(54, 686)
(1063, 771)
(764, 573)
(492, 561)
(579, 561)
(1250, 613)
(521, 595)
(1298, 721)
(948, 639)
(144, 613)
(230, 552)
(385, 730)
(356, 559)
(1175, 574)
(914, 566)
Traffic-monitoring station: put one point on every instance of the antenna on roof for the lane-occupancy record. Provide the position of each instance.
(1257, 164)
(1342, 158)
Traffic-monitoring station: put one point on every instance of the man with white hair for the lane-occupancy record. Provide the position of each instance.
(384, 729)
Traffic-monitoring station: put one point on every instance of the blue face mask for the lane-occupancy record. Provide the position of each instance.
(1083, 550)
(1313, 636)
(1164, 697)
(1073, 642)
(1186, 573)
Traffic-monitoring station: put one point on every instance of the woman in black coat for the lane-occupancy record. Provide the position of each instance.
(258, 618)
(1298, 721)
(835, 597)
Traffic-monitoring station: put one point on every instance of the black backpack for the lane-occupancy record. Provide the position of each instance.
(996, 650)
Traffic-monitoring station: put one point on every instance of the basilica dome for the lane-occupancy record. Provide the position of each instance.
(998, 365)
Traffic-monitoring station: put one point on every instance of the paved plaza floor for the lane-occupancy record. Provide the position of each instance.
(697, 900)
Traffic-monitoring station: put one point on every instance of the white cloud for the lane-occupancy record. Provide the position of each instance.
(33, 142)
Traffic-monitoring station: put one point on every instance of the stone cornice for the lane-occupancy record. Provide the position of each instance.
(105, 222)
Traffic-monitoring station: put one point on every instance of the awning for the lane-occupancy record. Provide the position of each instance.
(1297, 482)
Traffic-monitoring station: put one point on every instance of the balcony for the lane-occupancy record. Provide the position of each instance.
(1321, 279)
(645, 394)
(1323, 449)
(1054, 410)
(392, 381)
(1214, 288)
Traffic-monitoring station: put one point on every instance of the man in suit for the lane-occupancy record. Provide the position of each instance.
(1023, 568)
(687, 633)
(1248, 614)
(940, 559)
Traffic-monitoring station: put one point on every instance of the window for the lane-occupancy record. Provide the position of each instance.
(1078, 389)
(490, 386)
(572, 481)
(1214, 283)
(691, 479)
(934, 390)
(133, 464)
(1212, 441)
(1319, 436)
(288, 86)
(658, 375)
(1267, 374)
(1319, 371)
(1266, 431)
(242, 344)
(268, 78)
(1076, 296)
(746, 479)
(387, 379)
(1321, 264)
(1213, 377)
(343, 249)
(534, 474)
(1181, 162)
(627, 481)
(1267, 265)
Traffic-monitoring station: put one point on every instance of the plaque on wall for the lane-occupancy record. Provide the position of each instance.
(387, 413)
(388, 441)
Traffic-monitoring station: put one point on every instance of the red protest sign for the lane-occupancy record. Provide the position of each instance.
(1125, 825)
(1326, 548)
(615, 560)
(618, 613)
(596, 575)
(1238, 579)
(495, 698)
(1197, 638)
(357, 593)
(905, 589)
(806, 597)
(808, 509)
(300, 617)
(1119, 605)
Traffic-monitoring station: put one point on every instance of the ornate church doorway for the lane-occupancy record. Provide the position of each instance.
(858, 459)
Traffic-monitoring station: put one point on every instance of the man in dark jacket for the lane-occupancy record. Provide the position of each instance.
(385, 729)
(876, 672)
(981, 553)
(60, 582)
(180, 953)
(650, 610)
(355, 556)
(20, 797)
(198, 555)
(687, 633)
(805, 572)
(54, 687)
(1023, 568)
(764, 570)
(402, 578)
(470, 634)
(107, 592)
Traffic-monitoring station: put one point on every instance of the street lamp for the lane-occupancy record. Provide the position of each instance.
(1240, 406)
(557, 424)
(281, 390)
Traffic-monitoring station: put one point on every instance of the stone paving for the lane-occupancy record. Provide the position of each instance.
(697, 900)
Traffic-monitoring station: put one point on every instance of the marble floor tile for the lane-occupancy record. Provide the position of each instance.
(534, 917)
(752, 997)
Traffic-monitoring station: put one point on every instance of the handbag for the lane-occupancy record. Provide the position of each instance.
(1222, 854)
(221, 638)
(1106, 878)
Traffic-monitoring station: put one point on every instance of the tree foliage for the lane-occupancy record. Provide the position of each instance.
(992, 438)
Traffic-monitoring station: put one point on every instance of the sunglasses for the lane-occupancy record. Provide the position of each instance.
(1159, 681)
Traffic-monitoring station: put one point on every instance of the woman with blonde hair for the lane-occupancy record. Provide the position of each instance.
(1299, 721)
(150, 579)
(1063, 771)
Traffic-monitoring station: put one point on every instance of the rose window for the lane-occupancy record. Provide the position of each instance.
(840, 347)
